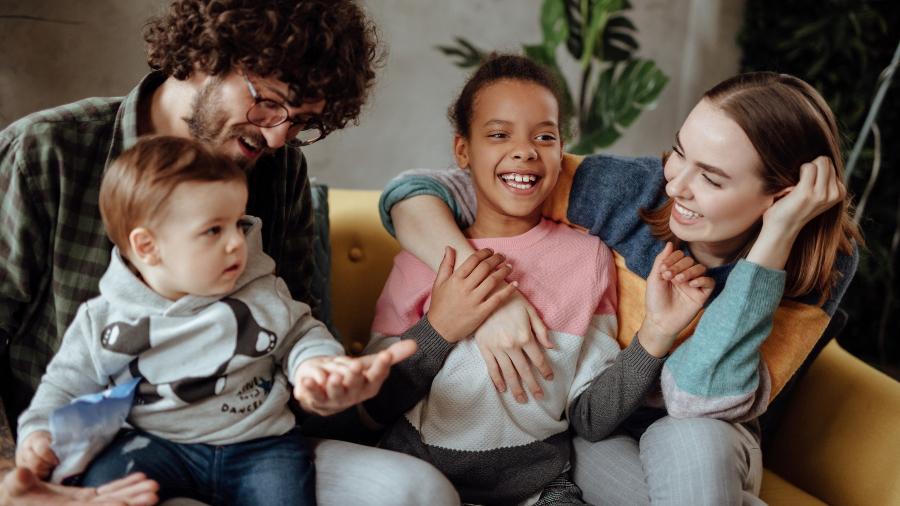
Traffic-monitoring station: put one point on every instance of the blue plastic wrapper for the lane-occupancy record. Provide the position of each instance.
(82, 429)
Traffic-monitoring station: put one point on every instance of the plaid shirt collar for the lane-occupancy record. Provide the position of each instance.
(125, 129)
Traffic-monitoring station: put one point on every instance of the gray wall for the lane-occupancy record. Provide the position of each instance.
(93, 48)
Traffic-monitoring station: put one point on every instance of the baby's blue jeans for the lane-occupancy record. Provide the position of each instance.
(274, 470)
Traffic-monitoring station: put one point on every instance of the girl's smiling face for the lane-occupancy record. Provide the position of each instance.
(713, 176)
(514, 152)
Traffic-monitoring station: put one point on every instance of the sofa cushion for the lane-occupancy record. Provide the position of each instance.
(322, 253)
(778, 491)
(770, 420)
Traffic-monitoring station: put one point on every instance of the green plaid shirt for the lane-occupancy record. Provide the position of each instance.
(53, 248)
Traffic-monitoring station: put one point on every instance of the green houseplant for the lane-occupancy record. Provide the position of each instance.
(614, 86)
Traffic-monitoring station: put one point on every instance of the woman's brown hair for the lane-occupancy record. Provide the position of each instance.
(789, 123)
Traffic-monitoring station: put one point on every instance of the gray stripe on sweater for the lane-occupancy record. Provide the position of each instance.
(501, 476)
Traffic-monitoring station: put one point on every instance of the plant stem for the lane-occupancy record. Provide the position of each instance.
(582, 99)
(884, 83)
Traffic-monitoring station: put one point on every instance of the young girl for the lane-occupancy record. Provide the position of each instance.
(494, 449)
(753, 191)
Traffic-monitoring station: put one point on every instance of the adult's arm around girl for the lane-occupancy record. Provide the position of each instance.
(416, 206)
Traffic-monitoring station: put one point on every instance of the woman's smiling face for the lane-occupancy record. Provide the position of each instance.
(713, 176)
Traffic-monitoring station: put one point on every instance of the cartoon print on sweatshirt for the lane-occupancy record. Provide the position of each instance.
(200, 369)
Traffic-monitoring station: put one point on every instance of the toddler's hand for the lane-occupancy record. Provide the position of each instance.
(35, 454)
(462, 299)
(328, 385)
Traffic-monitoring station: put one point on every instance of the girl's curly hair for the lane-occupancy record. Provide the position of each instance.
(323, 49)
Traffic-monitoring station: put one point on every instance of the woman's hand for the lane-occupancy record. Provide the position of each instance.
(818, 190)
(463, 298)
(676, 291)
(512, 342)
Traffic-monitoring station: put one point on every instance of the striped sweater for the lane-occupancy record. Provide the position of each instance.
(738, 353)
(494, 449)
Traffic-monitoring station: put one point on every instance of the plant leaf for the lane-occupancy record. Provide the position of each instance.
(619, 41)
(598, 13)
(623, 91)
(465, 53)
(553, 23)
(574, 42)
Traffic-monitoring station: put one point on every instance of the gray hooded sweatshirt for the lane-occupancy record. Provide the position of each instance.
(214, 369)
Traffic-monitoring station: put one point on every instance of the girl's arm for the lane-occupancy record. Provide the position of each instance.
(719, 371)
(614, 394)
(461, 298)
(676, 290)
(415, 206)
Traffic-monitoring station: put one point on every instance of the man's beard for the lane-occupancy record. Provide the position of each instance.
(208, 119)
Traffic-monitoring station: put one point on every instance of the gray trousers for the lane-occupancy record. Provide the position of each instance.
(348, 473)
(689, 461)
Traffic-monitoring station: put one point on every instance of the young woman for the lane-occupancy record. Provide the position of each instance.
(752, 190)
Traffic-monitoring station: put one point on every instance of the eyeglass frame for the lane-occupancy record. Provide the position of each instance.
(258, 99)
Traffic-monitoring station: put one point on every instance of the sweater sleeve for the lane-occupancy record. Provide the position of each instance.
(718, 371)
(453, 186)
(609, 385)
(74, 371)
(308, 337)
(410, 380)
(751, 342)
(613, 395)
(400, 314)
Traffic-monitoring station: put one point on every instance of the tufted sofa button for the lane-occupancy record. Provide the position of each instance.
(356, 254)
(356, 347)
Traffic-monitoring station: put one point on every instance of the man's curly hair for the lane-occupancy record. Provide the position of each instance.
(323, 49)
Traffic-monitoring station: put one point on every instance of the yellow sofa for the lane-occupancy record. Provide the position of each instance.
(839, 440)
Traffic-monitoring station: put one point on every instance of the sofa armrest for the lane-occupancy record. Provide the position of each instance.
(840, 437)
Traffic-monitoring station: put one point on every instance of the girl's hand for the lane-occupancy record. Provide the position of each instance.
(512, 341)
(676, 291)
(462, 299)
(35, 454)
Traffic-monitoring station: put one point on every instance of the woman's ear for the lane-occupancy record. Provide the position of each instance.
(143, 246)
(780, 194)
(461, 151)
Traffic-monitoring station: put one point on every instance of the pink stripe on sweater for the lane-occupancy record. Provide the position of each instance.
(567, 275)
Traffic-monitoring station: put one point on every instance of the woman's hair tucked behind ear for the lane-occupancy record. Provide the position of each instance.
(789, 124)
(323, 49)
(499, 67)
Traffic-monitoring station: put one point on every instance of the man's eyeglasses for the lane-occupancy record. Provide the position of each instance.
(268, 113)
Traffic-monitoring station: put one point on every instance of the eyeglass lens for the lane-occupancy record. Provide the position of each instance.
(268, 113)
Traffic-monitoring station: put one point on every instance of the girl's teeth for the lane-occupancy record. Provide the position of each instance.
(519, 181)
